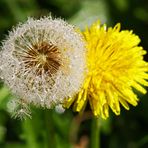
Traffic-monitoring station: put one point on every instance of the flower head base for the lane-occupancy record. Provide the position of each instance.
(115, 66)
(43, 61)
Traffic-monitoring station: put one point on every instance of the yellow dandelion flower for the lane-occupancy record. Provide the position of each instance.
(115, 67)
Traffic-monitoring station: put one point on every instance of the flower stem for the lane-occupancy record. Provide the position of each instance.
(49, 130)
(30, 135)
(95, 133)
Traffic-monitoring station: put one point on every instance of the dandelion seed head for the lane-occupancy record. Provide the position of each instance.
(43, 61)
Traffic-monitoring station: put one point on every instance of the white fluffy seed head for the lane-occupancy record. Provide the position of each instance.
(43, 61)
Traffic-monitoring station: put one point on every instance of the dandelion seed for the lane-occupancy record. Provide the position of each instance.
(18, 109)
(21, 114)
(59, 109)
(115, 67)
(43, 61)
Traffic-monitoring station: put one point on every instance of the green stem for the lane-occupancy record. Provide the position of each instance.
(95, 133)
(49, 130)
(30, 135)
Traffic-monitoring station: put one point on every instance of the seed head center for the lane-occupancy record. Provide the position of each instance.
(47, 58)
(42, 59)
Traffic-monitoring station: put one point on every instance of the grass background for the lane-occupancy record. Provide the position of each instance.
(47, 128)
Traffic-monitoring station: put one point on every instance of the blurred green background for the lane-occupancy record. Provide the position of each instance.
(48, 128)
